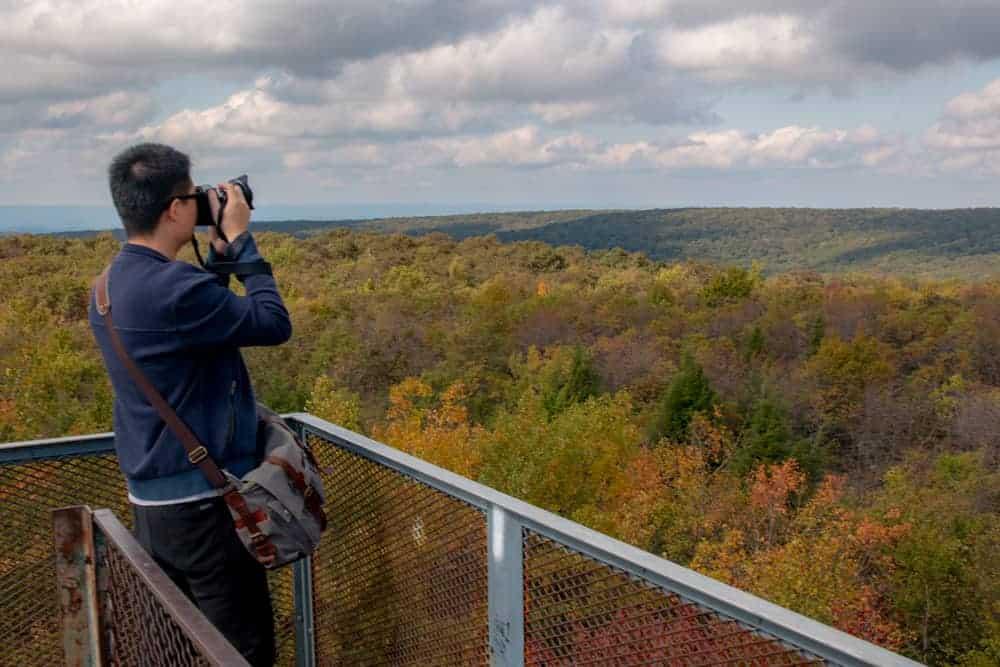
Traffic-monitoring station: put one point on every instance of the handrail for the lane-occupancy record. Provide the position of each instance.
(822, 640)
(507, 516)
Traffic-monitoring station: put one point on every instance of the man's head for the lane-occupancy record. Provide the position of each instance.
(149, 184)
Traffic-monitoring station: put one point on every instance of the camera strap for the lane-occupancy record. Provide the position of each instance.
(239, 269)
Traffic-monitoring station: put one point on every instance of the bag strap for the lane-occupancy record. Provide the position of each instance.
(196, 452)
(309, 494)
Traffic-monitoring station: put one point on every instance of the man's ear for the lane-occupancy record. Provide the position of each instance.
(173, 211)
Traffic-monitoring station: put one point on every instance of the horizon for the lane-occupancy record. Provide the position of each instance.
(52, 219)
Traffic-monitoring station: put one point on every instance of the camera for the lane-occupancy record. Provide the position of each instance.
(205, 217)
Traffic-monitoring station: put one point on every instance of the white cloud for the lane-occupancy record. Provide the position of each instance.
(791, 146)
(115, 109)
(967, 137)
(743, 48)
(530, 147)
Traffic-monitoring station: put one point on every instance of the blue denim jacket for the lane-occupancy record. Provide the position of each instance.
(184, 330)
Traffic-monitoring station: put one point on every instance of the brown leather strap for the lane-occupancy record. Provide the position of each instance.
(197, 454)
(261, 543)
(306, 489)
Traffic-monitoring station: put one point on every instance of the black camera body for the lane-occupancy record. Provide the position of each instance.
(205, 217)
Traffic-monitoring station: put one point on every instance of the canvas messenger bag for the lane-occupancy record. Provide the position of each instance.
(277, 507)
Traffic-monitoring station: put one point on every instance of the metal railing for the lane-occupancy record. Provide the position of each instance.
(421, 566)
(118, 607)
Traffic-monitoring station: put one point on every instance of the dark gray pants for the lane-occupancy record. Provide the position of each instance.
(196, 545)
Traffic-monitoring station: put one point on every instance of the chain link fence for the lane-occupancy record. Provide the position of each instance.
(30, 632)
(419, 567)
(400, 576)
(35, 479)
(579, 611)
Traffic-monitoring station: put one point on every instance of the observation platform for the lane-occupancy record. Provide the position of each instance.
(418, 567)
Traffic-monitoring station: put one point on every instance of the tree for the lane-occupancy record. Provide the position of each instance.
(574, 385)
(688, 393)
(768, 439)
(436, 430)
(569, 465)
(340, 406)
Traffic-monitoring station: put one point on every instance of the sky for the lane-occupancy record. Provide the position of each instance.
(478, 104)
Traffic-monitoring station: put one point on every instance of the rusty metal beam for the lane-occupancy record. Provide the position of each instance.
(205, 637)
(76, 574)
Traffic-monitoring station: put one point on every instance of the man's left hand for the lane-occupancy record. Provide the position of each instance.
(213, 237)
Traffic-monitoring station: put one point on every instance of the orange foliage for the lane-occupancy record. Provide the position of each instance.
(440, 434)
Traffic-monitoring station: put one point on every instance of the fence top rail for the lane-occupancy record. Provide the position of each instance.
(802, 632)
(205, 637)
(56, 448)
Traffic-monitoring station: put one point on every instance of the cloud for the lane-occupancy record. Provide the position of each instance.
(120, 108)
(967, 137)
(787, 147)
(864, 36)
(746, 48)
(584, 85)
(308, 36)
(531, 147)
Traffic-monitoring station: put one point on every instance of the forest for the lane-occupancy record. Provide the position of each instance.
(824, 439)
(935, 244)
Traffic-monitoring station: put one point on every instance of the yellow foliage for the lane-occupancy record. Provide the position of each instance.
(334, 405)
(441, 435)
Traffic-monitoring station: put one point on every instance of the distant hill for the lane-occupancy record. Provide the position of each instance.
(947, 243)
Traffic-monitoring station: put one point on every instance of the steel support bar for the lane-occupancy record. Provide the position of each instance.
(302, 590)
(505, 572)
(56, 448)
(73, 533)
(305, 636)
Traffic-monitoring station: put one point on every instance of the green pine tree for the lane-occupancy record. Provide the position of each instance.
(689, 392)
(577, 386)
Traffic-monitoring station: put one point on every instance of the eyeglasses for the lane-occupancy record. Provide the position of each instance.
(198, 192)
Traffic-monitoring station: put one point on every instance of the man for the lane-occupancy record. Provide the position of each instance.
(183, 329)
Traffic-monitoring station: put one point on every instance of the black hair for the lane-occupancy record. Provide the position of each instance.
(143, 178)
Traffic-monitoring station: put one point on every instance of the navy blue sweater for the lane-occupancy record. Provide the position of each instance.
(184, 331)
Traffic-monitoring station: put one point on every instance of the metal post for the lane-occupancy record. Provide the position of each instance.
(305, 638)
(76, 574)
(506, 589)
(302, 586)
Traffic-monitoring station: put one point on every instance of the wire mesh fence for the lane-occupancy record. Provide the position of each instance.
(29, 613)
(579, 611)
(33, 481)
(400, 576)
(413, 571)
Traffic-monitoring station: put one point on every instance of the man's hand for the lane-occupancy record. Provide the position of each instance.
(235, 219)
(236, 216)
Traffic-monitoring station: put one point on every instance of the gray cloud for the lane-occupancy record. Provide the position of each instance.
(307, 37)
(899, 35)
